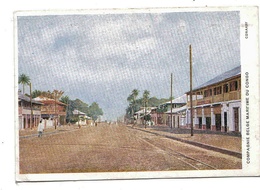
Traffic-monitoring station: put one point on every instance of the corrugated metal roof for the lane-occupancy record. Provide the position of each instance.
(77, 112)
(48, 100)
(180, 100)
(229, 74)
(27, 99)
(177, 110)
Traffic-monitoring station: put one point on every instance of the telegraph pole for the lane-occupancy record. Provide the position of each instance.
(55, 121)
(191, 114)
(171, 102)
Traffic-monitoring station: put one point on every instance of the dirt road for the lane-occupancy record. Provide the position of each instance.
(114, 148)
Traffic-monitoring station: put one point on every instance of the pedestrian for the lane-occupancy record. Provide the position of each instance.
(40, 128)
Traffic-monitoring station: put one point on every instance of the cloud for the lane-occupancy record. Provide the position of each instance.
(102, 57)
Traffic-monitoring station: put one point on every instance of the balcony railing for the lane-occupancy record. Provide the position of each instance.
(234, 95)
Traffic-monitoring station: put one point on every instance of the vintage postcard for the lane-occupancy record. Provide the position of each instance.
(137, 93)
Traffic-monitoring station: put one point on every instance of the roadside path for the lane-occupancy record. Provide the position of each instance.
(226, 144)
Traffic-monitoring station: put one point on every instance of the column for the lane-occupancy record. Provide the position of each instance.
(26, 121)
(213, 120)
(196, 120)
(188, 119)
(222, 118)
(203, 119)
(239, 118)
(22, 122)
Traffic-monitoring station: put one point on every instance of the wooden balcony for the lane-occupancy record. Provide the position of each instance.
(234, 95)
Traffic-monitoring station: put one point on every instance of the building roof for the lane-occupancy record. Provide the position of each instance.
(227, 75)
(142, 110)
(177, 110)
(77, 112)
(180, 100)
(47, 100)
(27, 99)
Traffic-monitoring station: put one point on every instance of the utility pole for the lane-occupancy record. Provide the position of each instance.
(31, 105)
(171, 102)
(55, 121)
(191, 114)
(145, 114)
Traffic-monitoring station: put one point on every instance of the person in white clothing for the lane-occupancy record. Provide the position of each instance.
(40, 128)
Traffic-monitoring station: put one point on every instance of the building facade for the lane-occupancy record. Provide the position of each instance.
(176, 113)
(216, 105)
(53, 112)
(29, 112)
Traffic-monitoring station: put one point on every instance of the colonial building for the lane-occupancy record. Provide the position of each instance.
(53, 112)
(217, 103)
(28, 116)
(139, 115)
(83, 118)
(178, 111)
(161, 114)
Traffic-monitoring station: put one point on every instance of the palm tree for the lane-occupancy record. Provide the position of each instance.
(56, 94)
(135, 93)
(36, 93)
(145, 100)
(24, 80)
(65, 100)
(130, 99)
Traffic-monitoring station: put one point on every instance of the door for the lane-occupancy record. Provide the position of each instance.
(225, 121)
(218, 122)
(236, 119)
(208, 122)
(200, 122)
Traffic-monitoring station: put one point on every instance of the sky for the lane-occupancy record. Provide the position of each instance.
(103, 57)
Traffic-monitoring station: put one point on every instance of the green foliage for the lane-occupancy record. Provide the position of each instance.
(24, 80)
(36, 93)
(135, 104)
(95, 111)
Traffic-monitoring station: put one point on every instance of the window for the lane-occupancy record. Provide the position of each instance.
(208, 93)
(225, 88)
(218, 90)
(233, 85)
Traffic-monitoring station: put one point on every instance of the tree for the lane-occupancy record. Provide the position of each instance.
(24, 80)
(95, 111)
(36, 93)
(66, 100)
(135, 93)
(130, 99)
(145, 101)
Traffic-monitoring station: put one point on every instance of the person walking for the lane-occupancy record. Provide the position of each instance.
(40, 128)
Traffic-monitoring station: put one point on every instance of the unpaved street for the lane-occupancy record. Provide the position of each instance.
(114, 148)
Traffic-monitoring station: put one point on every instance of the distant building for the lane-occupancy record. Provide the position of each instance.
(25, 112)
(217, 103)
(83, 118)
(54, 112)
(139, 115)
(161, 115)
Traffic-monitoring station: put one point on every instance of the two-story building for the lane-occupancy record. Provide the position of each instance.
(217, 103)
(52, 111)
(29, 112)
